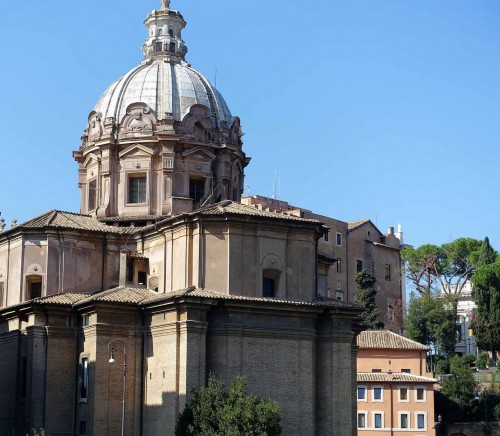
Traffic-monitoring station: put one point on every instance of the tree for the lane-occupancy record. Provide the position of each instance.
(462, 388)
(449, 266)
(431, 321)
(487, 254)
(212, 411)
(486, 293)
(365, 296)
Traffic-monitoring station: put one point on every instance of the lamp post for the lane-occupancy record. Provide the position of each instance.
(118, 346)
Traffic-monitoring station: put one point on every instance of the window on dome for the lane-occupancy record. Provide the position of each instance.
(171, 32)
(137, 185)
(172, 47)
(160, 32)
(92, 195)
(159, 46)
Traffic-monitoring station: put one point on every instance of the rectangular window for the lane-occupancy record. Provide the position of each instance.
(406, 371)
(34, 285)
(84, 378)
(196, 190)
(172, 47)
(377, 393)
(377, 420)
(420, 394)
(362, 420)
(137, 188)
(141, 278)
(268, 287)
(326, 235)
(376, 370)
(388, 272)
(404, 394)
(339, 265)
(403, 420)
(359, 265)
(83, 428)
(92, 195)
(158, 46)
(361, 393)
(339, 239)
(420, 420)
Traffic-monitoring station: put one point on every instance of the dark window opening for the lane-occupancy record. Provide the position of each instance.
(196, 189)
(406, 371)
(359, 265)
(339, 239)
(172, 47)
(83, 428)
(326, 235)
(160, 32)
(339, 265)
(92, 195)
(137, 189)
(170, 32)
(388, 272)
(141, 277)
(130, 271)
(159, 46)
(34, 285)
(268, 287)
(376, 370)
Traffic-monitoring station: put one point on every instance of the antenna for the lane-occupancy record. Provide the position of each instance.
(216, 70)
(275, 184)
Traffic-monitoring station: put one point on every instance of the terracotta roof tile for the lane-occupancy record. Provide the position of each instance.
(355, 224)
(66, 299)
(385, 339)
(67, 220)
(381, 377)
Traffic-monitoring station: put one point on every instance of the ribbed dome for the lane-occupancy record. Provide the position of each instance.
(167, 88)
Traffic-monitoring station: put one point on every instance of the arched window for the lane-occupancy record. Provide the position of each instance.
(160, 32)
(171, 32)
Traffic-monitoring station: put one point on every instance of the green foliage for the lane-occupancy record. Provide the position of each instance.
(498, 365)
(496, 412)
(447, 267)
(483, 360)
(420, 266)
(212, 411)
(486, 293)
(487, 254)
(443, 366)
(431, 321)
(462, 388)
(365, 296)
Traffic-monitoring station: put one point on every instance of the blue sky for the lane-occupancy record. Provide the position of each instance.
(381, 109)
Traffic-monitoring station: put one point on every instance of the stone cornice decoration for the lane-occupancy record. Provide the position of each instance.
(138, 120)
(89, 158)
(95, 128)
(134, 147)
(198, 114)
(198, 150)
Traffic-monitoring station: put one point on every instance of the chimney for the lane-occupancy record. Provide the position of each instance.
(390, 231)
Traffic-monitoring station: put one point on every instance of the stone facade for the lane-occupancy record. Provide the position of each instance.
(165, 268)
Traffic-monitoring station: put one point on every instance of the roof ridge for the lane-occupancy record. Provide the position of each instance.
(52, 216)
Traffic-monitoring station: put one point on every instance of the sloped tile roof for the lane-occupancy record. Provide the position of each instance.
(380, 377)
(385, 339)
(67, 299)
(67, 220)
(206, 293)
(355, 224)
(232, 208)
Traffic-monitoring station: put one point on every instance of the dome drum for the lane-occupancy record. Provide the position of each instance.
(161, 140)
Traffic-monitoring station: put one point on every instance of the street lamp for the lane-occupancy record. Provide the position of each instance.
(118, 346)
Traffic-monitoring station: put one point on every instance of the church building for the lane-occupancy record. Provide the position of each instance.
(109, 317)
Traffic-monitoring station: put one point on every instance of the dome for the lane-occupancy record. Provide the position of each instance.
(167, 88)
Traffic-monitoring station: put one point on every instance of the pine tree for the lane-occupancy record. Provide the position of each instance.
(365, 296)
(487, 254)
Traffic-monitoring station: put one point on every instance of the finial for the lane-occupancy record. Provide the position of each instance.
(165, 4)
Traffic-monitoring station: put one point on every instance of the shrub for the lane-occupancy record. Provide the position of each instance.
(483, 360)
